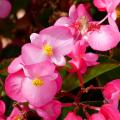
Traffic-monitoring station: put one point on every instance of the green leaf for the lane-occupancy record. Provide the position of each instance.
(99, 70)
(70, 82)
(108, 76)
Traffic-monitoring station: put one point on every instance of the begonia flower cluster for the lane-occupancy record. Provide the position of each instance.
(34, 79)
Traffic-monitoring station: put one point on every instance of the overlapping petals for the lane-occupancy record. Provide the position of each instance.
(50, 44)
(41, 79)
(81, 60)
(77, 16)
(111, 92)
(50, 111)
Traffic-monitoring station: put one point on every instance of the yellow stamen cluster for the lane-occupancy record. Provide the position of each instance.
(82, 24)
(48, 50)
(37, 82)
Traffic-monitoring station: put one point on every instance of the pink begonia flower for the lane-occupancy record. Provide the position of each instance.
(103, 38)
(40, 79)
(17, 114)
(72, 116)
(110, 112)
(13, 86)
(50, 111)
(99, 37)
(2, 110)
(5, 8)
(77, 16)
(110, 7)
(15, 65)
(52, 44)
(111, 92)
(81, 60)
(97, 116)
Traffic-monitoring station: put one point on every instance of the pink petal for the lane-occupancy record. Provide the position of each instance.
(39, 95)
(111, 5)
(73, 12)
(2, 107)
(63, 47)
(110, 112)
(32, 54)
(72, 116)
(52, 76)
(79, 49)
(82, 67)
(13, 86)
(75, 63)
(63, 21)
(58, 60)
(104, 39)
(81, 10)
(15, 65)
(5, 8)
(100, 4)
(54, 34)
(111, 92)
(59, 82)
(97, 116)
(36, 40)
(112, 22)
(50, 111)
(40, 69)
(91, 59)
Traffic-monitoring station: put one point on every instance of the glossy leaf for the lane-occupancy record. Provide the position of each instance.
(99, 70)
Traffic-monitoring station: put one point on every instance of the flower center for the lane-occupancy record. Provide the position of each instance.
(48, 50)
(93, 26)
(37, 82)
(81, 24)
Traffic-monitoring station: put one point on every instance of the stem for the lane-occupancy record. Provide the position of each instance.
(80, 105)
(89, 106)
(86, 113)
(67, 104)
(16, 104)
(62, 93)
(103, 19)
(80, 79)
(79, 95)
(91, 87)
